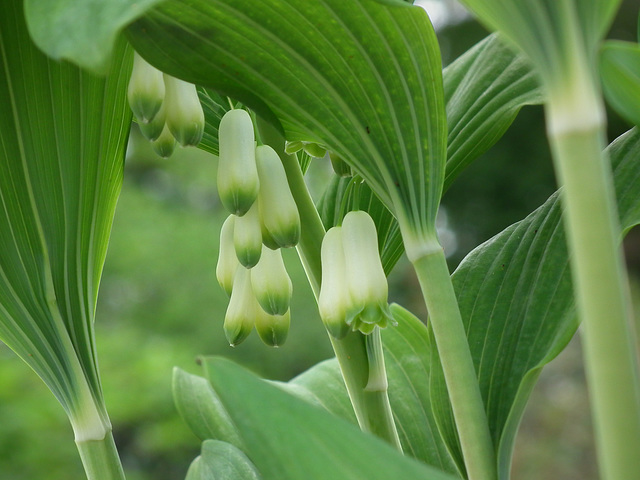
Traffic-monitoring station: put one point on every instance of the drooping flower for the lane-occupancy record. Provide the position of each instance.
(238, 182)
(227, 259)
(366, 282)
(278, 210)
(247, 237)
(146, 90)
(184, 113)
(271, 283)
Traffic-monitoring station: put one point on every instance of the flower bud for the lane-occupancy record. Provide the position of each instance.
(240, 316)
(185, 117)
(153, 129)
(227, 259)
(340, 167)
(164, 144)
(333, 298)
(238, 182)
(366, 282)
(271, 283)
(272, 329)
(278, 210)
(146, 90)
(247, 237)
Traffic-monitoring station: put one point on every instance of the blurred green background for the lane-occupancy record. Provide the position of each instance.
(160, 305)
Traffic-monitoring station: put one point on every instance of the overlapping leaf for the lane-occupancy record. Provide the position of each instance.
(516, 301)
(362, 78)
(82, 31)
(550, 32)
(620, 73)
(269, 422)
(63, 134)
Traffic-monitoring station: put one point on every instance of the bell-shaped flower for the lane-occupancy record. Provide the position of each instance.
(184, 114)
(165, 144)
(247, 237)
(271, 283)
(227, 259)
(272, 329)
(333, 299)
(238, 182)
(366, 282)
(278, 210)
(240, 316)
(153, 129)
(146, 91)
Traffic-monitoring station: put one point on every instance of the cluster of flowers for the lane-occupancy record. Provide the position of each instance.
(253, 187)
(167, 109)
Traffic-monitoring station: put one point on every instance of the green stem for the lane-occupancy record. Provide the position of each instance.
(457, 365)
(100, 459)
(371, 407)
(600, 282)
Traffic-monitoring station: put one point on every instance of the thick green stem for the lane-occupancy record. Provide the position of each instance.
(100, 459)
(371, 407)
(600, 282)
(457, 365)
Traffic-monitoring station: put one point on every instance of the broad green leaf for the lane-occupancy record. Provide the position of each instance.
(407, 358)
(82, 31)
(63, 135)
(222, 461)
(516, 301)
(360, 78)
(484, 90)
(620, 73)
(286, 438)
(201, 409)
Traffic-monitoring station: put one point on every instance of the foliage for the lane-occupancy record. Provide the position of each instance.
(363, 81)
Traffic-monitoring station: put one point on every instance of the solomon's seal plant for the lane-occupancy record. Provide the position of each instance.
(269, 86)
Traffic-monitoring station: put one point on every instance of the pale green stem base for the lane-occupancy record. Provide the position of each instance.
(100, 459)
(602, 297)
(372, 408)
(457, 365)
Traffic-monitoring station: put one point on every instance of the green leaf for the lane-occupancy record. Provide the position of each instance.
(516, 301)
(484, 90)
(407, 359)
(201, 409)
(550, 32)
(620, 73)
(222, 461)
(359, 77)
(286, 438)
(82, 31)
(63, 135)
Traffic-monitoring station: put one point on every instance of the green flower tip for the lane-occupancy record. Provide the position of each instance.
(146, 90)
(278, 210)
(271, 283)
(153, 129)
(165, 144)
(238, 182)
(272, 329)
(227, 259)
(247, 237)
(240, 316)
(184, 114)
(354, 289)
